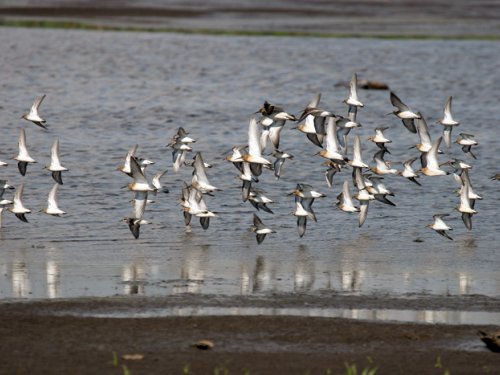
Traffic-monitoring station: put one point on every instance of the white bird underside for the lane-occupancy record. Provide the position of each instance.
(23, 154)
(18, 207)
(55, 163)
(357, 160)
(254, 146)
(431, 163)
(52, 206)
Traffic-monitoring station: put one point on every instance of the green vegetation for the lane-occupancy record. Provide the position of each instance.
(116, 363)
(352, 370)
(50, 24)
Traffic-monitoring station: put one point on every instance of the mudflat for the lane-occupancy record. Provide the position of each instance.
(43, 338)
(352, 18)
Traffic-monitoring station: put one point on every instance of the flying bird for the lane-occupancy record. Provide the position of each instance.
(448, 122)
(405, 113)
(33, 115)
(23, 158)
(260, 229)
(52, 206)
(18, 208)
(440, 226)
(55, 165)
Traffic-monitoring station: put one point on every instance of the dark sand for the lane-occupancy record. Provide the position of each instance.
(436, 18)
(35, 341)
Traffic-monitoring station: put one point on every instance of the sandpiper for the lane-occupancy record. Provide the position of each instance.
(33, 115)
(55, 165)
(448, 122)
(313, 109)
(23, 157)
(379, 138)
(345, 199)
(280, 156)
(260, 229)
(431, 165)
(301, 215)
(200, 179)
(465, 207)
(18, 208)
(333, 150)
(357, 160)
(353, 101)
(3, 187)
(157, 184)
(467, 141)
(404, 113)
(382, 167)
(140, 182)
(259, 200)
(254, 155)
(440, 226)
(125, 168)
(408, 171)
(379, 190)
(314, 129)
(52, 206)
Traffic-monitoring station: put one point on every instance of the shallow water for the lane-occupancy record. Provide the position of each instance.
(376, 315)
(107, 91)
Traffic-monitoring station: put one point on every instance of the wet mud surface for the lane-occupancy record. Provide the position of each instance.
(34, 341)
(408, 17)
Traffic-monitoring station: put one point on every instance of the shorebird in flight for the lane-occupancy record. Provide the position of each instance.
(404, 113)
(379, 138)
(382, 167)
(333, 151)
(18, 208)
(345, 199)
(52, 206)
(254, 155)
(23, 158)
(140, 182)
(157, 184)
(448, 122)
(280, 156)
(408, 171)
(260, 229)
(259, 200)
(440, 226)
(429, 159)
(353, 101)
(465, 207)
(200, 179)
(467, 141)
(125, 168)
(273, 120)
(33, 115)
(357, 160)
(55, 165)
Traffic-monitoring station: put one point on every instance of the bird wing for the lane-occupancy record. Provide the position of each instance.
(396, 102)
(38, 101)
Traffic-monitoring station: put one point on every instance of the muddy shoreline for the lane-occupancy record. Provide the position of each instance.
(283, 300)
(37, 342)
(53, 337)
(442, 18)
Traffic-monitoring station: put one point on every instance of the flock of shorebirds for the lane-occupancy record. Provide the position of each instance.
(326, 130)
(23, 159)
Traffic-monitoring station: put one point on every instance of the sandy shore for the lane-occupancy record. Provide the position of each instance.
(40, 337)
(443, 18)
